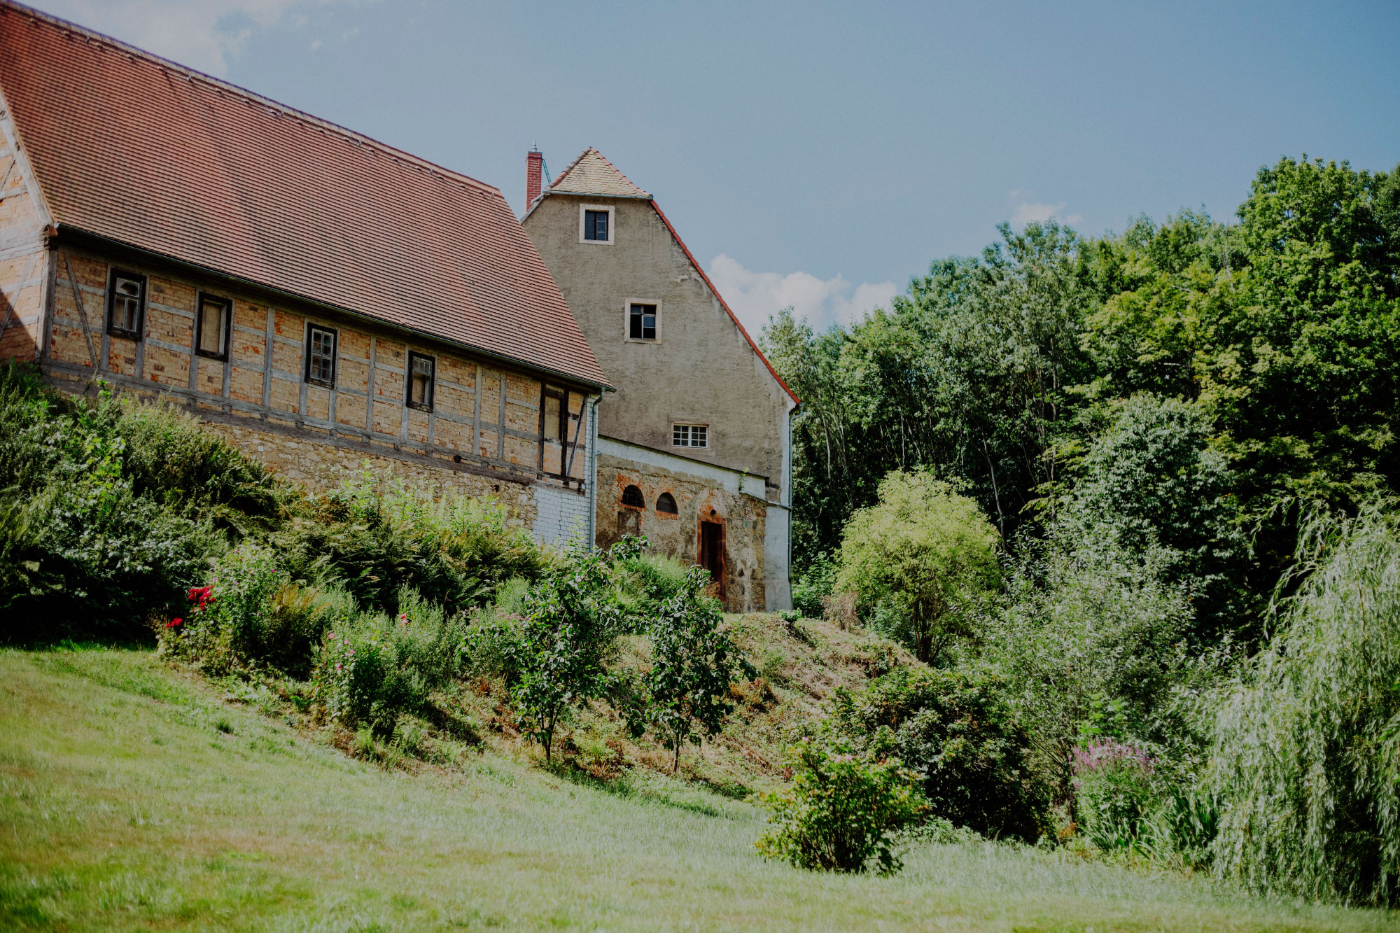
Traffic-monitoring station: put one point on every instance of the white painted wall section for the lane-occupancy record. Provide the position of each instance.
(561, 514)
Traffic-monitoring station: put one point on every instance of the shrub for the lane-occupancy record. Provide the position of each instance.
(455, 552)
(372, 668)
(572, 618)
(843, 811)
(1306, 757)
(1115, 794)
(693, 663)
(924, 553)
(954, 728)
(812, 584)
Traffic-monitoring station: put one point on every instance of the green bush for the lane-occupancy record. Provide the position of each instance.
(925, 554)
(81, 551)
(843, 811)
(693, 664)
(372, 668)
(455, 552)
(812, 584)
(1115, 794)
(955, 728)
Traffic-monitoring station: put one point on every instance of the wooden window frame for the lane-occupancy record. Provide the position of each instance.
(310, 350)
(224, 339)
(432, 381)
(112, 328)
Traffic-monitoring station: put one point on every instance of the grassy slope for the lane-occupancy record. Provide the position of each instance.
(134, 797)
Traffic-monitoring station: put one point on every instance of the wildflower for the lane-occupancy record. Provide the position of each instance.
(337, 667)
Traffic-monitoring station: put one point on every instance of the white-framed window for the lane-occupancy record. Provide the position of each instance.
(320, 355)
(126, 304)
(595, 224)
(690, 435)
(211, 326)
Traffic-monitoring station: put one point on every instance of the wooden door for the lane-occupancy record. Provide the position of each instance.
(712, 552)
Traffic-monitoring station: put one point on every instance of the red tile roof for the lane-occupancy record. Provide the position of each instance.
(136, 149)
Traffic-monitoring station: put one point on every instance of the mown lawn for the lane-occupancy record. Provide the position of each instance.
(133, 797)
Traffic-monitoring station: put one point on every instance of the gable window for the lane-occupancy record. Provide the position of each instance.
(633, 496)
(320, 355)
(421, 372)
(641, 322)
(595, 224)
(126, 304)
(690, 435)
(211, 327)
(666, 503)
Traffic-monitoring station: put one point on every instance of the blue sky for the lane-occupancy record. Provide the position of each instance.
(821, 154)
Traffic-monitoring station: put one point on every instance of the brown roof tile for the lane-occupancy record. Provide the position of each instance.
(132, 148)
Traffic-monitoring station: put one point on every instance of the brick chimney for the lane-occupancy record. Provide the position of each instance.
(534, 161)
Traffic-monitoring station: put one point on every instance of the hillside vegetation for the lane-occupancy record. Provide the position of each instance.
(137, 797)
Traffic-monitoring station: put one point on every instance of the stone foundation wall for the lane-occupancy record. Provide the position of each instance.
(321, 466)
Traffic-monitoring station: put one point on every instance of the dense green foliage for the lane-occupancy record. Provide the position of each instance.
(1307, 744)
(954, 728)
(1268, 346)
(919, 558)
(693, 664)
(844, 810)
(1143, 417)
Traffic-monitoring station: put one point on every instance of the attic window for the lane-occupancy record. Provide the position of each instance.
(595, 224)
(126, 303)
(211, 327)
(421, 372)
(641, 322)
(320, 355)
(690, 435)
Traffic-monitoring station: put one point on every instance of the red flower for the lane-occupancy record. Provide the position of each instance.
(174, 623)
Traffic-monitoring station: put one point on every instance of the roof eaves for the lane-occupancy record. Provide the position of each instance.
(723, 304)
(359, 315)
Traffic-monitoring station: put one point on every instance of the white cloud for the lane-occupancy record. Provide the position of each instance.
(756, 295)
(1037, 211)
(204, 34)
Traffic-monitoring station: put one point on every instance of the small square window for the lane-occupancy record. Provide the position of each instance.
(421, 372)
(126, 304)
(595, 225)
(211, 327)
(641, 324)
(320, 356)
(690, 435)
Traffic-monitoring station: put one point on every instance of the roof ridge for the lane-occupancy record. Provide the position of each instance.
(353, 136)
(570, 167)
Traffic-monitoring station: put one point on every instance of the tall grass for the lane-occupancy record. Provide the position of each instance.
(1306, 758)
